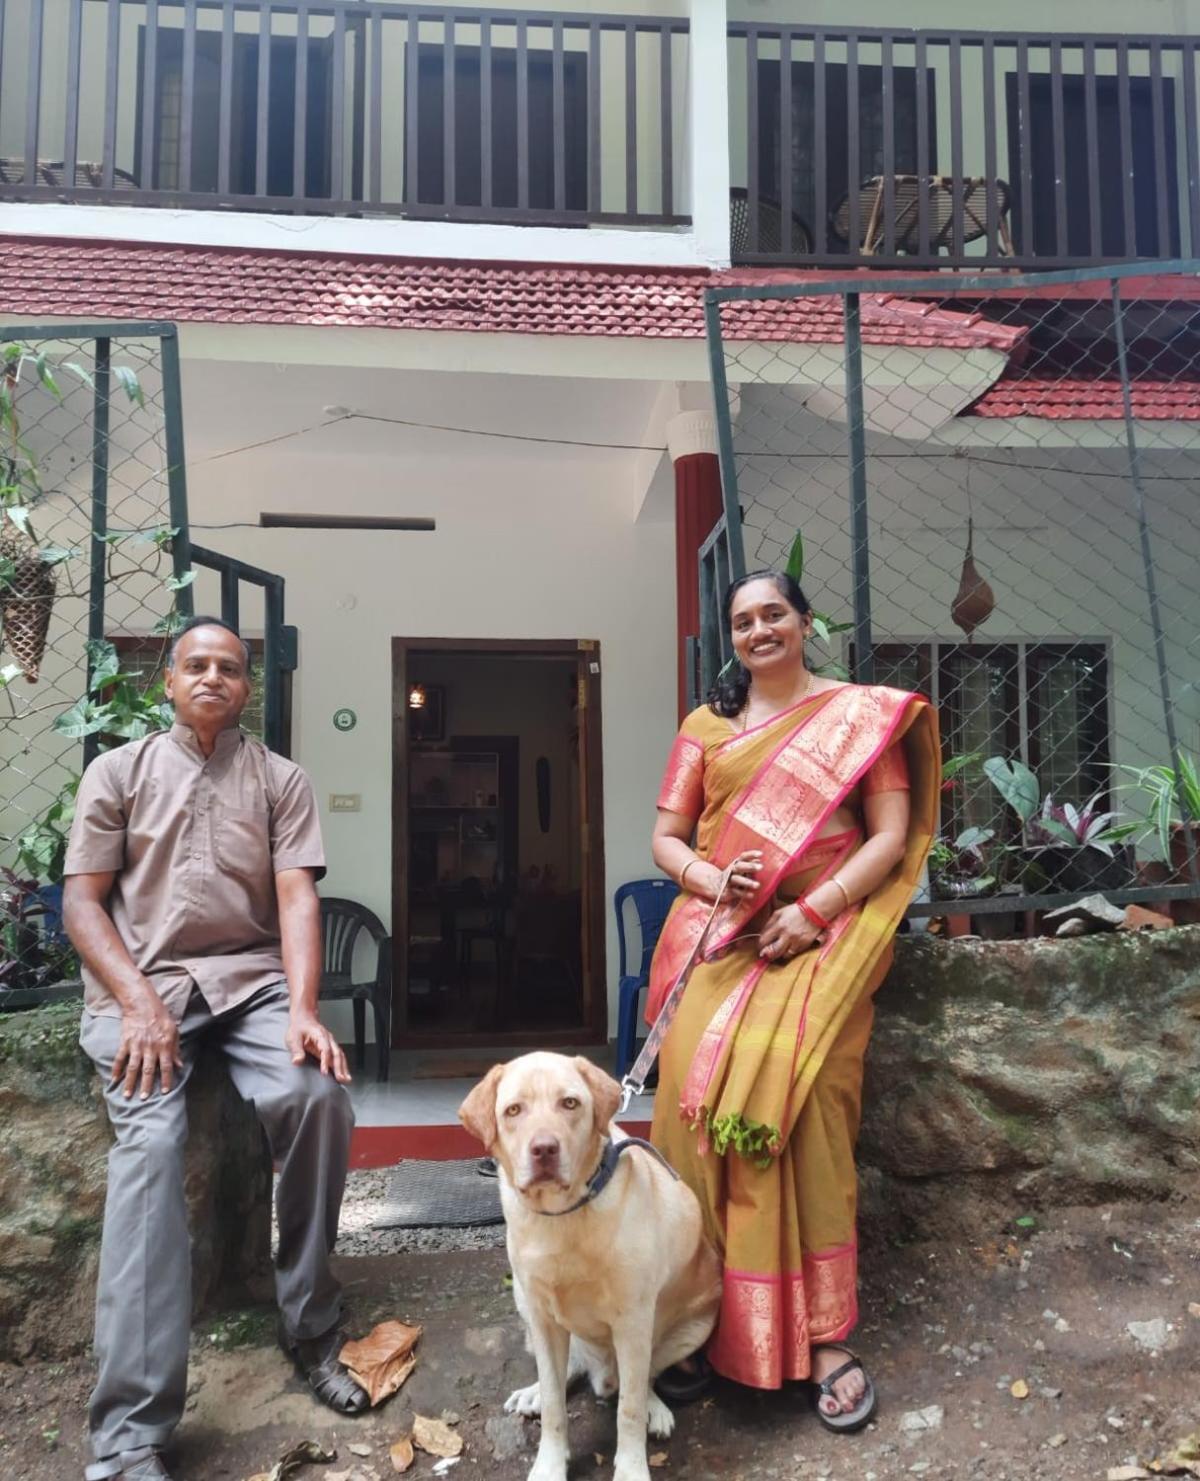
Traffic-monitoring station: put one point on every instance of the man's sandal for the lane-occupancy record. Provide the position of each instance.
(862, 1413)
(317, 1362)
(144, 1464)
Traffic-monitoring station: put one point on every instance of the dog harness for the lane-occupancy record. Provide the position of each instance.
(603, 1175)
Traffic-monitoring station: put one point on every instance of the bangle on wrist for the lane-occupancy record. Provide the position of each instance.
(813, 915)
(691, 863)
(833, 879)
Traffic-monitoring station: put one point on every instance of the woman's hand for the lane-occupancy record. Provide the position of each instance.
(787, 933)
(705, 879)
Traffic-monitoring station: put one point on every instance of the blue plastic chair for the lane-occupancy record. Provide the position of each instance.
(652, 899)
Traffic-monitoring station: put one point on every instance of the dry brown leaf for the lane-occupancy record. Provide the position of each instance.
(382, 1360)
(291, 1460)
(402, 1453)
(1194, 1308)
(659, 1458)
(1020, 1389)
(435, 1437)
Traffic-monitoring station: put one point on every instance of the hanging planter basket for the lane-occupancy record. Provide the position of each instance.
(26, 600)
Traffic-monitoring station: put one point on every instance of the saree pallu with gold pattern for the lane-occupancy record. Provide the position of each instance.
(760, 1077)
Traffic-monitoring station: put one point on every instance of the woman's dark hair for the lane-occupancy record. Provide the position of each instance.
(731, 689)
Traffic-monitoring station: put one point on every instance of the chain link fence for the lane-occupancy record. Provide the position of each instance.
(988, 487)
(94, 574)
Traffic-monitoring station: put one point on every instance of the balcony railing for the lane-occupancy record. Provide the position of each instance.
(344, 107)
(946, 148)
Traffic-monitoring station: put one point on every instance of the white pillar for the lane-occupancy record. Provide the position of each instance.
(708, 109)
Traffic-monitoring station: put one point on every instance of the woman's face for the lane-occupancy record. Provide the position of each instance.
(768, 633)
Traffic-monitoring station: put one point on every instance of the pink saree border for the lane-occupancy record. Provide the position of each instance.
(770, 1322)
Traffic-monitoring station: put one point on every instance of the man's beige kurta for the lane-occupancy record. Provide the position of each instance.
(195, 845)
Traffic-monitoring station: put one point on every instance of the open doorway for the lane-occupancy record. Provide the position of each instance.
(498, 855)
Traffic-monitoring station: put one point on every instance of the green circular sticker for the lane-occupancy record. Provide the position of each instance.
(344, 719)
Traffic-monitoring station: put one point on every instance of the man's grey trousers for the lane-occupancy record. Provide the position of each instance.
(143, 1299)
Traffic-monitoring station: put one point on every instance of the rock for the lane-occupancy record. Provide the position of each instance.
(1033, 1071)
(916, 1421)
(1151, 1335)
(506, 1435)
(54, 1141)
(1056, 1442)
(1095, 910)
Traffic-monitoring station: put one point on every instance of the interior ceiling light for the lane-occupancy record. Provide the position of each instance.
(416, 697)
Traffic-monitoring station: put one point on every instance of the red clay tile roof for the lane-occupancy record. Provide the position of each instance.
(233, 286)
(1099, 400)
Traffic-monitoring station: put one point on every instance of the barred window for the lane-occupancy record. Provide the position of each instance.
(1045, 703)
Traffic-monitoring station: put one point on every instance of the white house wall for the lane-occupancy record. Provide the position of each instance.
(532, 541)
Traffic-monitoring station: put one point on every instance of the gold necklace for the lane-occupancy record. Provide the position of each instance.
(791, 705)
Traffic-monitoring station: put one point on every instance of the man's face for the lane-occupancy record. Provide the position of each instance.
(208, 685)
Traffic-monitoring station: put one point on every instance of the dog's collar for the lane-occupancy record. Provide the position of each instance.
(603, 1175)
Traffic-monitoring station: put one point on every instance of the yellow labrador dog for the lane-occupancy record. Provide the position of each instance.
(612, 1272)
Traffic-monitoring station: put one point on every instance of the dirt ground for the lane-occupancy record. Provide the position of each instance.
(952, 1325)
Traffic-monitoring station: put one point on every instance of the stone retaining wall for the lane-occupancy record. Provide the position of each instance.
(54, 1141)
(1063, 1071)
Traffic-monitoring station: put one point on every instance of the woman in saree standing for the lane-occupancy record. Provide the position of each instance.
(813, 804)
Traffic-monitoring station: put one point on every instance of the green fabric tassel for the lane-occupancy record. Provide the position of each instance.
(754, 1140)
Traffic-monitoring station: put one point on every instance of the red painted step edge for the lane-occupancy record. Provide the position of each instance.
(384, 1146)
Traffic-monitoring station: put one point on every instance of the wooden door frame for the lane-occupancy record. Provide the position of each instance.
(586, 654)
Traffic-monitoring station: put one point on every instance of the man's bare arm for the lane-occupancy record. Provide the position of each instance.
(149, 1035)
(303, 955)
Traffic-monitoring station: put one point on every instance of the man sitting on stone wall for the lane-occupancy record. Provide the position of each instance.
(190, 897)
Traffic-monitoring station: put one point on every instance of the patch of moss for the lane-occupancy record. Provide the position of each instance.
(42, 1038)
(254, 1327)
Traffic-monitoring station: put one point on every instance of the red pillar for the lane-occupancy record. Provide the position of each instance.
(691, 438)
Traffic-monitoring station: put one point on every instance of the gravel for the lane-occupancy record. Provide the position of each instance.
(366, 1193)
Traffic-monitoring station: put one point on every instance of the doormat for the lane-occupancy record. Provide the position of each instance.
(440, 1195)
(453, 1069)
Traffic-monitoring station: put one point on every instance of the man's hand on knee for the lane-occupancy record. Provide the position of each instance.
(307, 1035)
(149, 1046)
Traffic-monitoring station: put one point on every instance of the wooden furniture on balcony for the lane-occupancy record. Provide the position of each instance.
(55, 173)
(770, 228)
(941, 192)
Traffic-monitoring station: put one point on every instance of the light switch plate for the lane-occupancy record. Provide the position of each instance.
(345, 802)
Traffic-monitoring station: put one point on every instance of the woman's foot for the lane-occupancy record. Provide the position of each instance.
(843, 1394)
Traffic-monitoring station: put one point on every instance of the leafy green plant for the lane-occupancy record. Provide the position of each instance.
(1078, 827)
(42, 848)
(960, 868)
(116, 705)
(1163, 788)
(823, 626)
(1015, 782)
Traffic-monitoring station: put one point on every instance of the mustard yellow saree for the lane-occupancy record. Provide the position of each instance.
(761, 1072)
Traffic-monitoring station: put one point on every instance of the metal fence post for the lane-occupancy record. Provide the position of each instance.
(181, 543)
(729, 489)
(102, 385)
(864, 659)
(1160, 645)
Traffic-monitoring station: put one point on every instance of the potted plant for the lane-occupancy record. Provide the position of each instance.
(1081, 848)
(1066, 847)
(1169, 795)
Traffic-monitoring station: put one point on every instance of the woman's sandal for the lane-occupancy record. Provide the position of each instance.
(317, 1362)
(680, 1385)
(862, 1413)
(144, 1464)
